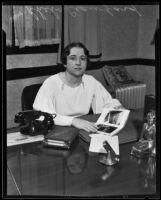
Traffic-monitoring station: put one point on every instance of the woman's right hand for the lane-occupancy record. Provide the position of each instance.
(84, 124)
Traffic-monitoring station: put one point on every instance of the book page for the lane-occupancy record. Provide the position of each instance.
(112, 117)
(106, 128)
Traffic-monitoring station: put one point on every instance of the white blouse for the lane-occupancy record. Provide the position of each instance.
(55, 97)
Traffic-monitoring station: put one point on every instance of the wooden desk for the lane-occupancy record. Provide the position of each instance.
(47, 171)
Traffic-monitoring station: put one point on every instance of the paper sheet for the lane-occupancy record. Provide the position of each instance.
(96, 144)
(18, 138)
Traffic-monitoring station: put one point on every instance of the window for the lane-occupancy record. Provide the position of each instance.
(32, 25)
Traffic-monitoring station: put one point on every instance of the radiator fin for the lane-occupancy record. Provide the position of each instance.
(131, 95)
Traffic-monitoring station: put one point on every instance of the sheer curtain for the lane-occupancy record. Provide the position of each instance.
(83, 24)
(33, 25)
(7, 23)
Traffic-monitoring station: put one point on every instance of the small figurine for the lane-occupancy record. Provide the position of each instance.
(147, 143)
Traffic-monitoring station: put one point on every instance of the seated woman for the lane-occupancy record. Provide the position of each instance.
(72, 93)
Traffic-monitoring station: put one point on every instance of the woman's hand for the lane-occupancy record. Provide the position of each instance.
(119, 107)
(84, 124)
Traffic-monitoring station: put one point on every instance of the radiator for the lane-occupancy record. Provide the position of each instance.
(131, 95)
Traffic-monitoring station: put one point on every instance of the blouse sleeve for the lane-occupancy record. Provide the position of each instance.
(45, 102)
(102, 98)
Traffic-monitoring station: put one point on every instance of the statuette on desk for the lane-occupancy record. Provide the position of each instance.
(146, 146)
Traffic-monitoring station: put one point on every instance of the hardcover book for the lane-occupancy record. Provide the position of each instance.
(62, 137)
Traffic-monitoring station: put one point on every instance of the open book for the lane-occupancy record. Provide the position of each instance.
(111, 121)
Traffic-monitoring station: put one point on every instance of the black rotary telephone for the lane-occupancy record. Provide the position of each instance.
(34, 122)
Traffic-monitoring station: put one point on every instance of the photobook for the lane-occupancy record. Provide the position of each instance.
(111, 121)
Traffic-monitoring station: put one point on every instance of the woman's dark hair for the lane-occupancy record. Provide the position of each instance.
(67, 49)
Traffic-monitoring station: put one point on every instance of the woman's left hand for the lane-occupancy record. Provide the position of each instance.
(84, 124)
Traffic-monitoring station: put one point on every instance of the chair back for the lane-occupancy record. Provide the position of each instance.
(28, 96)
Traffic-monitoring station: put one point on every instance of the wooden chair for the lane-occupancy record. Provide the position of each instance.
(28, 96)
